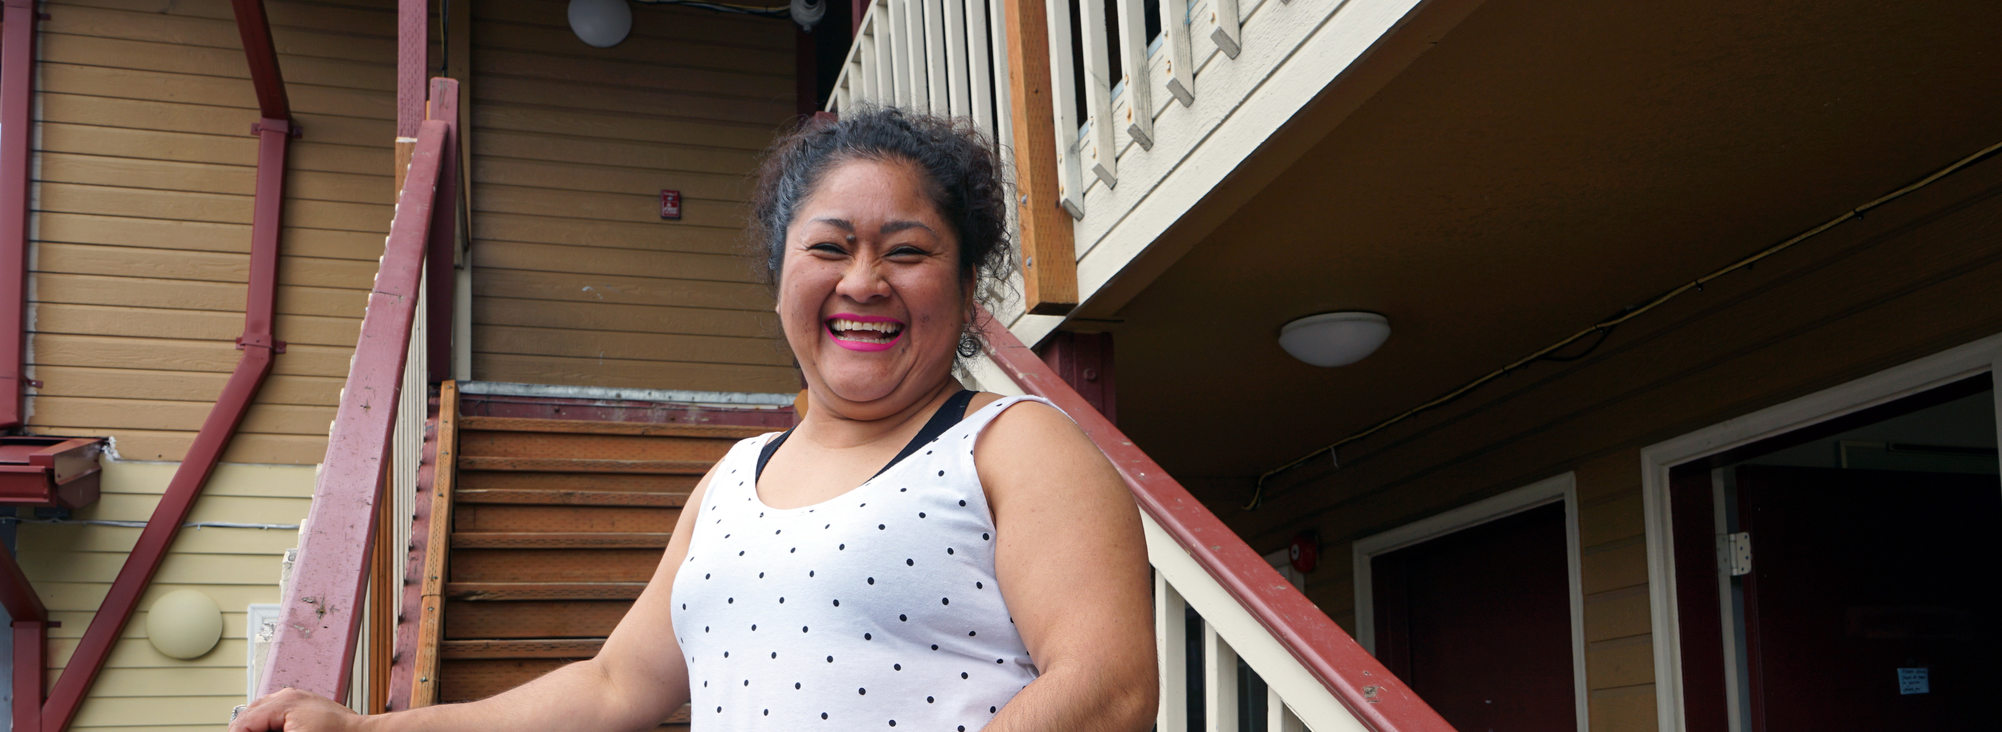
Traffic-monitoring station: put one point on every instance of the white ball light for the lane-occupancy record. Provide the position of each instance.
(601, 23)
(184, 624)
(1334, 339)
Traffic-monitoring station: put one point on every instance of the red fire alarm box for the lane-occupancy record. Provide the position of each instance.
(670, 205)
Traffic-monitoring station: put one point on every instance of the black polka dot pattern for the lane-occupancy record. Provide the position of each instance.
(924, 644)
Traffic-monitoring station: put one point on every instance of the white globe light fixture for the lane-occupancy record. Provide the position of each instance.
(1334, 339)
(184, 624)
(601, 23)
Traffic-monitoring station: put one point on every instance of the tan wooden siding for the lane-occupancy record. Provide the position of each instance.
(1916, 279)
(72, 566)
(144, 179)
(577, 280)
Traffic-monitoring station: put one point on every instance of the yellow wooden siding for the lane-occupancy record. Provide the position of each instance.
(1906, 276)
(72, 565)
(144, 179)
(577, 280)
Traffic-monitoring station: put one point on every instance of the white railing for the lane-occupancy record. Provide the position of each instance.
(945, 57)
(1314, 675)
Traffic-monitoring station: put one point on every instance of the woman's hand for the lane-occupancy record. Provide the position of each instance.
(292, 710)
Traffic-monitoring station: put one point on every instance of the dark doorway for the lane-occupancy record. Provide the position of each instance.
(1478, 622)
(1872, 599)
(1847, 575)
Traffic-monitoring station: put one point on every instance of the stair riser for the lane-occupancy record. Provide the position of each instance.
(465, 619)
(562, 518)
(553, 565)
(497, 480)
(608, 447)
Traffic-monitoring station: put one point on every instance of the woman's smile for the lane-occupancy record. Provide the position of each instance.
(864, 332)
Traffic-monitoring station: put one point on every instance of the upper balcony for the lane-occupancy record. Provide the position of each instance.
(1128, 116)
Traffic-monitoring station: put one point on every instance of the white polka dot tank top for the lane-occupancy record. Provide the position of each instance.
(876, 609)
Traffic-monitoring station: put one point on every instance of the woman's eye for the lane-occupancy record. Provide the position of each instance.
(825, 247)
(907, 252)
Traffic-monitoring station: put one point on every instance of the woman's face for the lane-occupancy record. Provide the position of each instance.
(869, 290)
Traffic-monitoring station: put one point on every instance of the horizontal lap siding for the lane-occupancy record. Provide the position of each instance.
(144, 179)
(72, 566)
(577, 280)
(1918, 277)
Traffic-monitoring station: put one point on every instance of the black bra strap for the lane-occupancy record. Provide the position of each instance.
(948, 414)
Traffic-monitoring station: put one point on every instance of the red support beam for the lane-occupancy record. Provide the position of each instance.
(444, 234)
(1377, 698)
(263, 59)
(30, 659)
(413, 41)
(259, 345)
(314, 647)
(17, 91)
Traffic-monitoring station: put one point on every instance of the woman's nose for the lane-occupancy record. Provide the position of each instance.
(863, 282)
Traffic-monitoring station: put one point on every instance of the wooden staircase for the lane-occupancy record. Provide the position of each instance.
(549, 529)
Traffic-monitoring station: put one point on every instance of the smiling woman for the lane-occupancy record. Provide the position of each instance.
(951, 559)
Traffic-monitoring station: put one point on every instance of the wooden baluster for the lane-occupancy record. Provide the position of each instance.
(1172, 651)
(1004, 117)
(1104, 154)
(955, 58)
(891, 45)
(1133, 60)
(1181, 67)
(913, 33)
(979, 71)
(1228, 28)
(1219, 682)
(1063, 101)
(936, 69)
(1277, 717)
(865, 51)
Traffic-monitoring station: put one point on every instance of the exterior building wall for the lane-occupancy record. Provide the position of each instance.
(144, 170)
(72, 565)
(145, 166)
(577, 279)
(1914, 279)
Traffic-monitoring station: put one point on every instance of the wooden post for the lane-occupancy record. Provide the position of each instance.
(1049, 258)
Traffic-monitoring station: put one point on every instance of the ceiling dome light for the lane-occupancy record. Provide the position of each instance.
(1334, 339)
(601, 23)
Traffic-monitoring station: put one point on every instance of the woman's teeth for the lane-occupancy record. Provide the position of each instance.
(861, 332)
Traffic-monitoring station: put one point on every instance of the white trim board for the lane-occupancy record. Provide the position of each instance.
(1892, 384)
(1561, 488)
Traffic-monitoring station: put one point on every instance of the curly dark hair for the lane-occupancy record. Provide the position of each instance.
(962, 172)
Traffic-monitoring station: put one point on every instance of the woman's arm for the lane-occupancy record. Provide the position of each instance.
(636, 680)
(1072, 565)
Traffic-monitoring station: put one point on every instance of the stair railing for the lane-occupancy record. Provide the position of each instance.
(1315, 674)
(313, 647)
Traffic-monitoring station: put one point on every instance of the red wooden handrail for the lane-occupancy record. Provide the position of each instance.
(1377, 698)
(313, 649)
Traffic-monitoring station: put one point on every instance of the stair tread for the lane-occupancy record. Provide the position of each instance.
(573, 426)
(505, 591)
(560, 539)
(570, 497)
(520, 648)
(583, 465)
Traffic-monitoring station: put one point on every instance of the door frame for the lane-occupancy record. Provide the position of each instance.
(1970, 360)
(1559, 488)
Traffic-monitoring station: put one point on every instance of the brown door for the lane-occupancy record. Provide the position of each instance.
(1873, 600)
(1478, 622)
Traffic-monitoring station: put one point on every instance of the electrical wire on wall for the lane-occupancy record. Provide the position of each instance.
(1604, 328)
